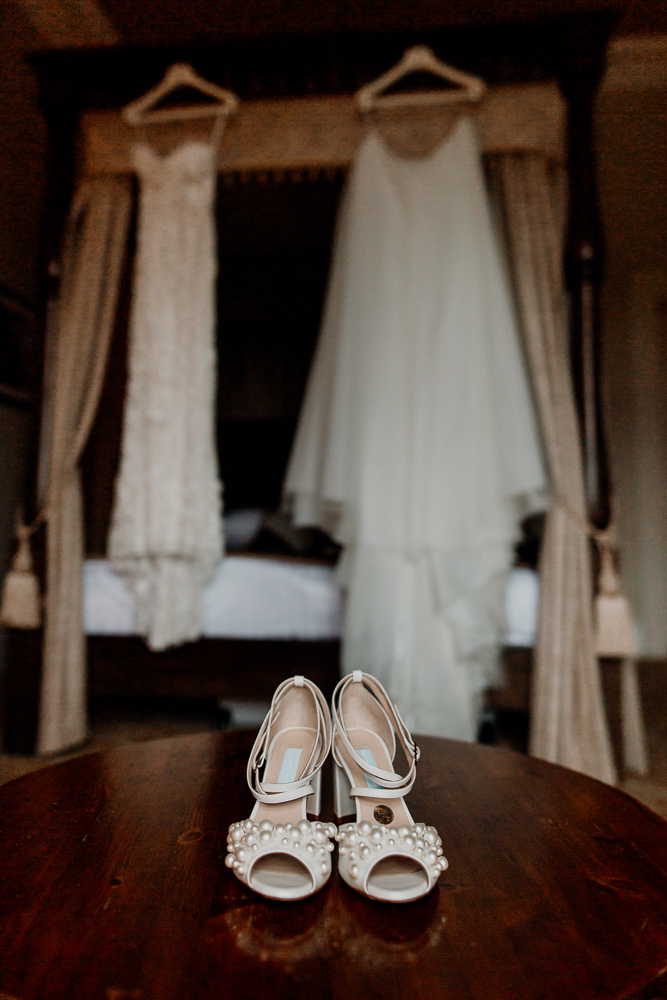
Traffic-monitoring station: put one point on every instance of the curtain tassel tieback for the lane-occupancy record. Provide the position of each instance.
(615, 638)
(21, 603)
(614, 634)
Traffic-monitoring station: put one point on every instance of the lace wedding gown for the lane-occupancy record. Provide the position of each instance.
(417, 439)
(166, 531)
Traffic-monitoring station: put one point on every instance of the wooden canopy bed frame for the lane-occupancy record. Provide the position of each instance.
(298, 117)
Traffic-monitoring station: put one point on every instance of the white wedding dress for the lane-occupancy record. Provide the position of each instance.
(417, 442)
(166, 531)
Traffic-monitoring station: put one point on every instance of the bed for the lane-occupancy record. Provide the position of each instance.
(257, 597)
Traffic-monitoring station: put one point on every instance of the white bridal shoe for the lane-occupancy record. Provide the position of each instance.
(278, 852)
(384, 854)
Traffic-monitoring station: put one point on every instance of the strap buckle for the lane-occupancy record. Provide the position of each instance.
(261, 758)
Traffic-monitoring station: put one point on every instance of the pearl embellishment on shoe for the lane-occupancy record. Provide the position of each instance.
(359, 844)
(310, 840)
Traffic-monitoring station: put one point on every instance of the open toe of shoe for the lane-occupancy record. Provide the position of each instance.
(281, 862)
(394, 865)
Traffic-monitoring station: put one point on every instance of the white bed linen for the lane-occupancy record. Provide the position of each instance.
(248, 598)
(522, 598)
(265, 598)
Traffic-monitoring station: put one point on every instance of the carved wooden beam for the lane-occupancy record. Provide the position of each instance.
(302, 132)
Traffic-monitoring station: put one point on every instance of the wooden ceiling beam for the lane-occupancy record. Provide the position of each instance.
(70, 24)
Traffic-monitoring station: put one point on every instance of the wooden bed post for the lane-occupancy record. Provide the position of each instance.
(585, 44)
(584, 47)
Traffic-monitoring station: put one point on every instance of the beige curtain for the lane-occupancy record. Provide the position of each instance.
(568, 722)
(92, 260)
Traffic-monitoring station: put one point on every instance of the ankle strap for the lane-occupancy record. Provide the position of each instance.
(388, 780)
(289, 790)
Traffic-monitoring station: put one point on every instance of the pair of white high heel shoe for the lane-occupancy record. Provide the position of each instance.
(279, 853)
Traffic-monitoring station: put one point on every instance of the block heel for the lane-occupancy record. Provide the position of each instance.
(344, 805)
(314, 801)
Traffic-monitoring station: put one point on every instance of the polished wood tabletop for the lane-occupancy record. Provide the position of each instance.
(113, 887)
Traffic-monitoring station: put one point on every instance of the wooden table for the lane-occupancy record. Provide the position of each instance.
(113, 887)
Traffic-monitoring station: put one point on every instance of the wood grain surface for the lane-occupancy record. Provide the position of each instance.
(113, 887)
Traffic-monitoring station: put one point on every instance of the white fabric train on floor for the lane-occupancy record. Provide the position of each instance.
(166, 532)
(417, 439)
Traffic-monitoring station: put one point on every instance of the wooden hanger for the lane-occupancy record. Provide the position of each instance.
(143, 111)
(419, 58)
